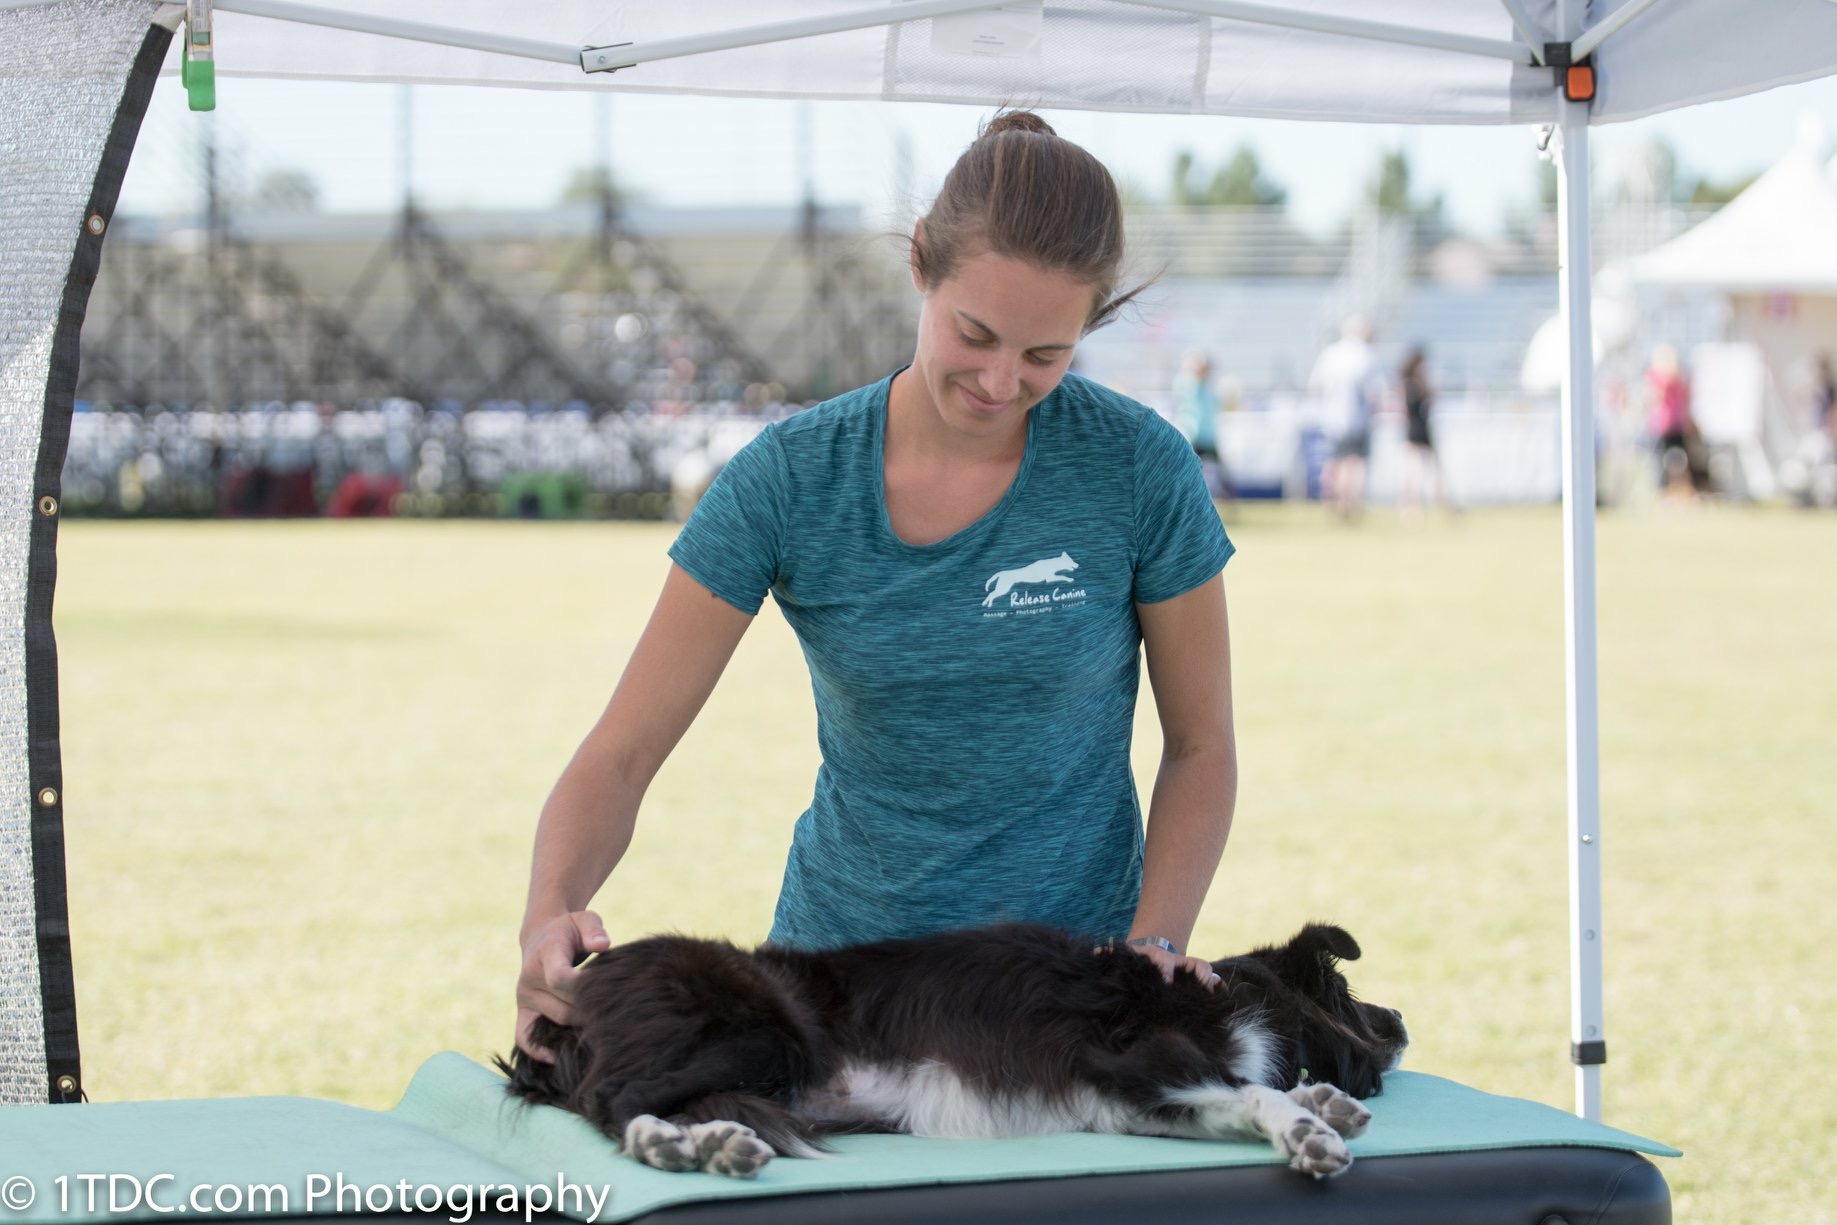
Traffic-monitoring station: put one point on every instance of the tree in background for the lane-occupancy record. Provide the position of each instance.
(1390, 195)
(1711, 193)
(1652, 175)
(286, 191)
(1239, 183)
(587, 184)
(1389, 191)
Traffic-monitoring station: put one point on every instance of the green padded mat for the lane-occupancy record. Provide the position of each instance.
(455, 1131)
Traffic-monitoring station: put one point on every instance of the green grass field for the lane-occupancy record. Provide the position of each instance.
(303, 763)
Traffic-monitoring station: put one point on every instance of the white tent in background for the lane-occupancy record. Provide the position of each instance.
(1779, 236)
(1771, 254)
(1562, 63)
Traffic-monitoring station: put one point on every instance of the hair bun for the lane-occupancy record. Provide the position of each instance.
(1015, 121)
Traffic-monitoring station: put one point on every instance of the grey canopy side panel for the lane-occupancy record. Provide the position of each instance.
(75, 78)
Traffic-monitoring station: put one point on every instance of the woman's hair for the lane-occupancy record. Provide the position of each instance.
(1023, 191)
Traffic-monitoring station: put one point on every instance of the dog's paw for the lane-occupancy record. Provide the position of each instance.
(1337, 1108)
(662, 1146)
(730, 1149)
(1314, 1149)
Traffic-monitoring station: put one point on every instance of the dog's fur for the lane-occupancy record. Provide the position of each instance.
(697, 1055)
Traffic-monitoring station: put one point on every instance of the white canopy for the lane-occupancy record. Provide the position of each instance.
(1778, 236)
(1390, 61)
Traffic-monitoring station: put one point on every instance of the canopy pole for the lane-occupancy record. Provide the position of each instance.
(1586, 43)
(1532, 33)
(1588, 1033)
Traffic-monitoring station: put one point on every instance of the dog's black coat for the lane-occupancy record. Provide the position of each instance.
(697, 1030)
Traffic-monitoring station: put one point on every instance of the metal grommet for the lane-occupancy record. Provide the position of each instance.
(66, 1084)
(47, 797)
(47, 506)
(96, 224)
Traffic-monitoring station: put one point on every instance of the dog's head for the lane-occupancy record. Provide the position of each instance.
(1331, 1035)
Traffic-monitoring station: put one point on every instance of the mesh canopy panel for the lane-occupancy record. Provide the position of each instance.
(63, 68)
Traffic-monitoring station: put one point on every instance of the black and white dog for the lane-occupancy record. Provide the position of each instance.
(696, 1055)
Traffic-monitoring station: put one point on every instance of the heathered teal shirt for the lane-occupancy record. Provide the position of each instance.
(975, 696)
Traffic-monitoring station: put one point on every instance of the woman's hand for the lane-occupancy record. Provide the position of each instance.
(1168, 962)
(546, 985)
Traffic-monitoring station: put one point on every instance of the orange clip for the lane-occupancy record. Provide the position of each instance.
(1579, 83)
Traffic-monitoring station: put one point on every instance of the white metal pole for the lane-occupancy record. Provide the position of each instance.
(630, 55)
(398, 27)
(1528, 29)
(1587, 1026)
(597, 59)
(1586, 42)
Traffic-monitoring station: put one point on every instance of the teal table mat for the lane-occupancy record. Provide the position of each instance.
(456, 1144)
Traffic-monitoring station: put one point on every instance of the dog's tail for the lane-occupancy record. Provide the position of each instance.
(542, 1083)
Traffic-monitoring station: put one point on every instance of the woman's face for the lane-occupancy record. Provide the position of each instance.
(995, 337)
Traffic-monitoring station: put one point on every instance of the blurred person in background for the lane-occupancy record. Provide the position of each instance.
(1424, 464)
(1348, 387)
(1196, 409)
(1824, 396)
(1809, 474)
(1683, 473)
(974, 554)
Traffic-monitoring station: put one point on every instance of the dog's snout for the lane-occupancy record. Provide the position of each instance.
(1387, 1024)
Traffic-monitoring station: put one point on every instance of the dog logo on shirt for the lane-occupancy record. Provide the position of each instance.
(1046, 570)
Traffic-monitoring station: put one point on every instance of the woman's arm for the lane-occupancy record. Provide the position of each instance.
(587, 822)
(1188, 647)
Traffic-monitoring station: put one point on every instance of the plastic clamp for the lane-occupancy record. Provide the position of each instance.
(198, 66)
(1576, 78)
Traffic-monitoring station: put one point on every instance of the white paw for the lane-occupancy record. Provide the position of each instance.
(660, 1145)
(1337, 1108)
(1313, 1148)
(730, 1149)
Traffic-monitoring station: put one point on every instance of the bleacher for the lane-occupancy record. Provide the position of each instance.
(1264, 334)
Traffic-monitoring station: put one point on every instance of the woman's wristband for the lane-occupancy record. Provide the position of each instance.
(1154, 942)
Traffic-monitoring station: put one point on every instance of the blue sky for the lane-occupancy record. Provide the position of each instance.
(515, 149)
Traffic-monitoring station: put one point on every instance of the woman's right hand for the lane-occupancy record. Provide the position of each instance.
(551, 957)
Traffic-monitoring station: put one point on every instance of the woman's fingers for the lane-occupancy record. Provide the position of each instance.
(545, 988)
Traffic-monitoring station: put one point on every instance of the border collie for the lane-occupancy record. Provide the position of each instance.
(695, 1055)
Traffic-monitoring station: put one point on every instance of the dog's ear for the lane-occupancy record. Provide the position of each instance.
(1328, 941)
(1307, 963)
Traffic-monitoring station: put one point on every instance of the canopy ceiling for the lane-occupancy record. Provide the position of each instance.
(1119, 55)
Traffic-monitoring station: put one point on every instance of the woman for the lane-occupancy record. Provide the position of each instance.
(1682, 473)
(1418, 403)
(970, 553)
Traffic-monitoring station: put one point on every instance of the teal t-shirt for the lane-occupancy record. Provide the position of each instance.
(974, 697)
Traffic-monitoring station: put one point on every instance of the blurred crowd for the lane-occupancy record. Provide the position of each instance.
(397, 457)
(1722, 424)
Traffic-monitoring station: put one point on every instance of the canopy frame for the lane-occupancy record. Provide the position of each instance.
(1573, 42)
(1588, 1030)
(630, 55)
